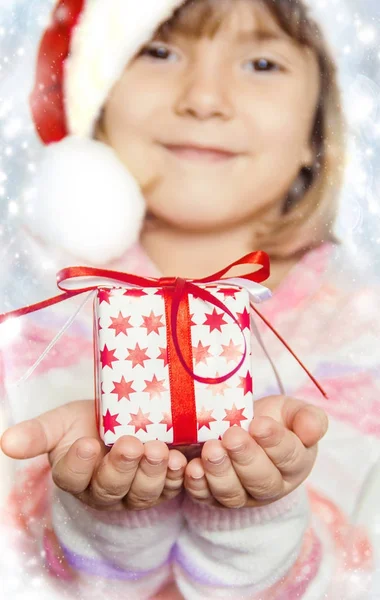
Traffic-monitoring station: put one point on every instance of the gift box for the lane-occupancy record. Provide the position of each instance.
(181, 380)
(172, 357)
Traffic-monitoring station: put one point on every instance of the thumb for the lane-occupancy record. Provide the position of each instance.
(35, 436)
(309, 422)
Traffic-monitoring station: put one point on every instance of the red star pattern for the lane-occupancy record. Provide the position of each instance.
(120, 324)
(137, 355)
(163, 355)
(234, 416)
(214, 321)
(155, 387)
(243, 319)
(152, 323)
(218, 389)
(140, 420)
(160, 292)
(167, 420)
(110, 422)
(104, 296)
(246, 383)
(123, 389)
(204, 418)
(107, 357)
(231, 352)
(135, 293)
(201, 353)
(228, 292)
(124, 380)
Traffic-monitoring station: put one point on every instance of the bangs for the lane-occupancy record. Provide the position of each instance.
(204, 18)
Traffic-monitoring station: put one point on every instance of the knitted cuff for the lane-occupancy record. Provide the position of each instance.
(213, 518)
(126, 518)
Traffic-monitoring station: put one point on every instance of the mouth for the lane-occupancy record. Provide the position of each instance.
(190, 152)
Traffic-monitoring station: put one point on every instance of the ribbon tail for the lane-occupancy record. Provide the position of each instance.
(261, 343)
(290, 350)
(19, 312)
(39, 360)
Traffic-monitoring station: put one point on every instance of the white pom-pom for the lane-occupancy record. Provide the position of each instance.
(85, 201)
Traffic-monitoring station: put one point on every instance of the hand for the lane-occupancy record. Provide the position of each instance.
(262, 465)
(131, 475)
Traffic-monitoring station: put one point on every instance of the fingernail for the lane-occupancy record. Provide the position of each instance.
(85, 453)
(217, 460)
(196, 477)
(238, 448)
(154, 461)
(126, 458)
(175, 467)
(264, 432)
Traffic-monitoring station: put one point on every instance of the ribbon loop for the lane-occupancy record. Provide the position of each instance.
(70, 278)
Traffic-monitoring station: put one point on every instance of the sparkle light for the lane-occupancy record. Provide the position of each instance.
(13, 208)
(367, 35)
(9, 330)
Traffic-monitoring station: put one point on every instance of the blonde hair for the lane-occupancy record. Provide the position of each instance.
(311, 205)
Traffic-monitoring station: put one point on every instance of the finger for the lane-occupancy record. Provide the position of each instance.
(113, 477)
(174, 475)
(221, 476)
(195, 482)
(257, 473)
(73, 471)
(150, 477)
(283, 447)
(309, 423)
(35, 436)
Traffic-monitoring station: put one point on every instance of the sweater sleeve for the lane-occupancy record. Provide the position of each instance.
(227, 553)
(118, 550)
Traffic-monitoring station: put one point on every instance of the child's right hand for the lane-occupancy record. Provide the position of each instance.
(85, 467)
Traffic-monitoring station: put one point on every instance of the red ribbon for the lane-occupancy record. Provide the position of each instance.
(181, 381)
(179, 289)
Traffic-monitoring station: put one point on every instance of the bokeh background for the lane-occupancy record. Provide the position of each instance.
(353, 28)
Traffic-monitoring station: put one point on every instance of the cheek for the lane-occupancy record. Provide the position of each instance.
(135, 103)
(128, 124)
(281, 117)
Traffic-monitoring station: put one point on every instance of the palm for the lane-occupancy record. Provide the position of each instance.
(128, 475)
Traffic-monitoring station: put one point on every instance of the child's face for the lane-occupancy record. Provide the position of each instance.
(253, 97)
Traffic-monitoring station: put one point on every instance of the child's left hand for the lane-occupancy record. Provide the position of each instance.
(276, 456)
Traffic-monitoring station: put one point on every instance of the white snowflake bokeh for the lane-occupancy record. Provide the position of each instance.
(354, 28)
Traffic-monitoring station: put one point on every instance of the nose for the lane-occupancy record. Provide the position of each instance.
(203, 93)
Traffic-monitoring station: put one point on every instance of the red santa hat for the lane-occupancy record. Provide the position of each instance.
(86, 201)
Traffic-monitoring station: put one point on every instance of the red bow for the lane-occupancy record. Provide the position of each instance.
(179, 288)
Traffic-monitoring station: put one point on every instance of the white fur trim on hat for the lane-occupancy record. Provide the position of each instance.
(85, 201)
(107, 37)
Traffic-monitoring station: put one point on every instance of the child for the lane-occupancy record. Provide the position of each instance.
(229, 121)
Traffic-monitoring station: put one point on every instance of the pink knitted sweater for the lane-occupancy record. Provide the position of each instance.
(309, 544)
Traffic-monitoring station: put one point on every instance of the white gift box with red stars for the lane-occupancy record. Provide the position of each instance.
(141, 387)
